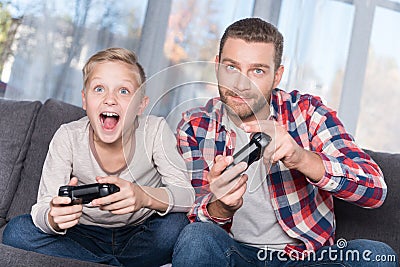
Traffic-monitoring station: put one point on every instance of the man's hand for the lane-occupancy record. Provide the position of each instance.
(62, 217)
(227, 190)
(285, 149)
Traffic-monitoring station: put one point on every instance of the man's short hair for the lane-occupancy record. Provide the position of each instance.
(255, 30)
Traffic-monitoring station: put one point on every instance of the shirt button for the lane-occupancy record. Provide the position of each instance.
(336, 168)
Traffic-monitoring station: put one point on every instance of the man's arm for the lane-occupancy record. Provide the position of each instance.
(332, 160)
(205, 208)
(350, 173)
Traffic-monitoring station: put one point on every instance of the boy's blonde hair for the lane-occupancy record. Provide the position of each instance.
(112, 54)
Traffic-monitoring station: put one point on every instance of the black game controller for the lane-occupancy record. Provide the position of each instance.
(84, 194)
(251, 152)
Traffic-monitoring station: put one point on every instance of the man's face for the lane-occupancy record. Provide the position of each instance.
(246, 77)
(110, 93)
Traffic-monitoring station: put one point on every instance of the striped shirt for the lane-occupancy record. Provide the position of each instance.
(304, 209)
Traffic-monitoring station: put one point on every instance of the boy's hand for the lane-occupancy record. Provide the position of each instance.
(129, 199)
(62, 217)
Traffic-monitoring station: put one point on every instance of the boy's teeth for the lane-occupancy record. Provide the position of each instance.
(109, 114)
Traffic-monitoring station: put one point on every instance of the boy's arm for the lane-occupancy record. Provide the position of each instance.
(56, 172)
(171, 166)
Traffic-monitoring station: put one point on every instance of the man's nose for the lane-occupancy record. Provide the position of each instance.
(242, 82)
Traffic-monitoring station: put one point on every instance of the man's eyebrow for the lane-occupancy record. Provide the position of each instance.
(229, 60)
(254, 65)
(260, 65)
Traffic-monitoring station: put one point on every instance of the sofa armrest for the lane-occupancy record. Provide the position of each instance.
(379, 224)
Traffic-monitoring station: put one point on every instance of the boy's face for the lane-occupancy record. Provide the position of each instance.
(246, 77)
(110, 92)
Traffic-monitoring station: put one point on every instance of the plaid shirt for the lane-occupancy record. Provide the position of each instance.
(304, 209)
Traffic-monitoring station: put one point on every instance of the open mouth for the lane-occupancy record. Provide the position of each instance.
(109, 120)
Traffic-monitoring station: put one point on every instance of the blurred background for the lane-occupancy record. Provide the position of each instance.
(345, 51)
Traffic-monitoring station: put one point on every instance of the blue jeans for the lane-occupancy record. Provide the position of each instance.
(148, 244)
(207, 244)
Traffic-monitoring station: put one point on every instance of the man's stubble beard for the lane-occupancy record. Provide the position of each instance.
(245, 112)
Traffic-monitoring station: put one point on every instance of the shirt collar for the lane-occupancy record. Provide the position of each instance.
(273, 104)
(225, 122)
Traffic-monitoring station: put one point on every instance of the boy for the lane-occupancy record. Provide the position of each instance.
(114, 144)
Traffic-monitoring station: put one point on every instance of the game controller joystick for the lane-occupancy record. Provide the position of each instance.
(252, 151)
(84, 194)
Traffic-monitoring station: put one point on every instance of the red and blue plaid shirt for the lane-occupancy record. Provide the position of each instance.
(304, 209)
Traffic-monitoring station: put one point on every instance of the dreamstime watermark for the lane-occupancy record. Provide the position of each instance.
(333, 253)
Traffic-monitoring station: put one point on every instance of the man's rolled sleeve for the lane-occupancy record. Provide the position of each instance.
(350, 173)
(199, 213)
(359, 181)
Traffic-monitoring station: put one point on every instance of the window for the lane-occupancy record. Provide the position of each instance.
(191, 44)
(315, 51)
(53, 39)
(378, 122)
(195, 27)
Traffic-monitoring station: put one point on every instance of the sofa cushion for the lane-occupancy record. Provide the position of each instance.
(377, 224)
(16, 124)
(52, 114)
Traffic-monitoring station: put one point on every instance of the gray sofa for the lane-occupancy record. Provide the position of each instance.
(27, 127)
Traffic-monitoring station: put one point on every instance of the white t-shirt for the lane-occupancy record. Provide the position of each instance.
(255, 223)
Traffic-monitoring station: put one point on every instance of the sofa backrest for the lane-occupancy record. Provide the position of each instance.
(51, 115)
(379, 224)
(16, 124)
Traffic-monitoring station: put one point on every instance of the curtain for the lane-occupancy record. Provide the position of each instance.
(55, 38)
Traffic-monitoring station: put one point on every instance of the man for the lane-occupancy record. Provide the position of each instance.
(280, 211)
